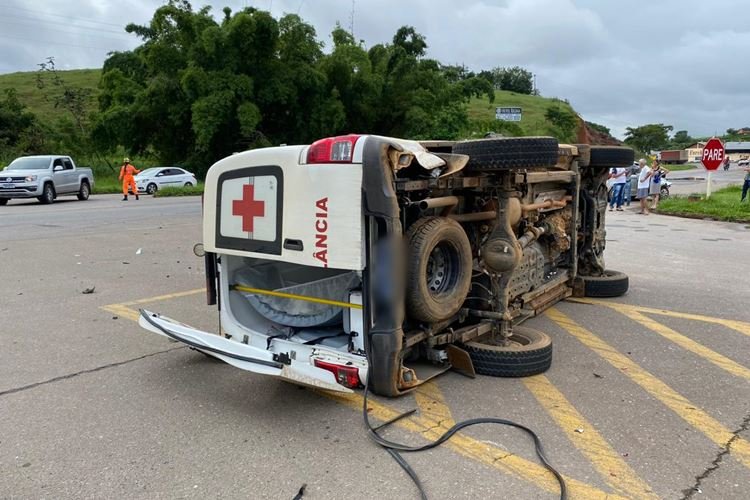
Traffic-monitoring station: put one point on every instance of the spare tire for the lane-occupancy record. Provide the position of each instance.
(505, 153)
(439, 269)
(611, 156)
(529, 352)
(609, 284)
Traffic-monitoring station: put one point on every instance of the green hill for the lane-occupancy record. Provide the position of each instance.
(34, 98)
(533, 121)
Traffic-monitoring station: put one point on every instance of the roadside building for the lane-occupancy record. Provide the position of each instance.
(694, 151)
(737, 150)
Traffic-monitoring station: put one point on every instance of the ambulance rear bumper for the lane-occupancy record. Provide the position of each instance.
(240, 355)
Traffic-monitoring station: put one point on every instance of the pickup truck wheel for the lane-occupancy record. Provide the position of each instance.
(4, 201)
(439, 269)
(48, 194)
(84, 191)
(152, 188)
(611, 156)
(609, 284)
(528, 352)
(495, 154)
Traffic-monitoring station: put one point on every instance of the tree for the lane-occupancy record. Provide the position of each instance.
(647, 138)
(599, 128)
(19, 130)
(564, 122)
(681, 140)
(198, 89)
(515, 79)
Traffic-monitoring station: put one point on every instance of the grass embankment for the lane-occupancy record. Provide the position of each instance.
(677, 168)
(533, 121)
(723, 205)
(35, 98)
(180, 191)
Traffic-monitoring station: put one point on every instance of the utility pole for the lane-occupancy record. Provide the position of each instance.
(351, 20)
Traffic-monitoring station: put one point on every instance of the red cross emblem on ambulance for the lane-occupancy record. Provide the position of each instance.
(248, 207)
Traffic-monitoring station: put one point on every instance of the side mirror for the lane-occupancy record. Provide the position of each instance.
(57, 168)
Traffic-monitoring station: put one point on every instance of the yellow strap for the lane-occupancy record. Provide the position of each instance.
(284, 295)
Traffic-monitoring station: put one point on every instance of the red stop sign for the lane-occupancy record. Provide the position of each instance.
(713, 154)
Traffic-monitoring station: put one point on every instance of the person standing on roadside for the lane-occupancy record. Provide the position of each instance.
(127, 171)
(657, 172)
(746, 185)
(628, 189)
(644, 181)
(618, 178)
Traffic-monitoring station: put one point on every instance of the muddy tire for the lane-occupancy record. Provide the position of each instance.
(584, 155)
(529, 353)
(439, 269)
(610, 284)
(488, 155)
(611, 156)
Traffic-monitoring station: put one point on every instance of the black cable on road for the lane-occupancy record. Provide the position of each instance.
(394, 448)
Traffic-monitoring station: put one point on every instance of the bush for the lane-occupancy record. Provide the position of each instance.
(180, 191)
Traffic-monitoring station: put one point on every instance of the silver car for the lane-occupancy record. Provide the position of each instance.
(153, 179)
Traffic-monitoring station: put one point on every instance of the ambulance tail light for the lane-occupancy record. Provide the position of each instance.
(332, 149)
(346, 375)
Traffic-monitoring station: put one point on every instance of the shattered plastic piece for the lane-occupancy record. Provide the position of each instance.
(138, 252)
(87, 291)
(579, 430)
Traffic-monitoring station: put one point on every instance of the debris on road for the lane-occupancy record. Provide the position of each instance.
(87, 291)
(579, 430)
(138, 252)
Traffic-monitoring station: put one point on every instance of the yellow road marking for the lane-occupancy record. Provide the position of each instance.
(600, 453)
(437, 418)
(432, 405)
(686, 343)
(485, 453)
(164, 297)
(739, 326)
(121, 310)
(305, 298)
(676, 402)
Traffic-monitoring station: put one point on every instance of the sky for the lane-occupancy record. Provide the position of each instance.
(619, 63)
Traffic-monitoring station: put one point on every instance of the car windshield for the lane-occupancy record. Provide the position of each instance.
(29, 163)
(149, 171)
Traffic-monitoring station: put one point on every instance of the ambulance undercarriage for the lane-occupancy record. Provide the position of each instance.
(366, 258)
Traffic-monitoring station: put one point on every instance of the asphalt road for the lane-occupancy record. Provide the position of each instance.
(645, 396)
(694, 180)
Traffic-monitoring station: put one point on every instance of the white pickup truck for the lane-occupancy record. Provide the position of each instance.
(44, 178)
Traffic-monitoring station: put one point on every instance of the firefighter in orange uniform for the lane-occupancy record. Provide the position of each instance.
(127, 171)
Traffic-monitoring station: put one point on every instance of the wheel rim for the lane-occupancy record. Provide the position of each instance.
(441, 265)
(188, 184)
(85, 190)
(48, 192)
(151, 189)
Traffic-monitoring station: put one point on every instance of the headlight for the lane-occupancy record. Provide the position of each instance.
(30, 178)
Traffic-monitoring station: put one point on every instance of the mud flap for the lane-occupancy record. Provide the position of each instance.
(240, 355)
(460, 361)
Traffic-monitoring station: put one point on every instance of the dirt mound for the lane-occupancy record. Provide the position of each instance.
(587, 135)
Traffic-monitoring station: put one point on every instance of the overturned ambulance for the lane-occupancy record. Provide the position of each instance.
(366, 259)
